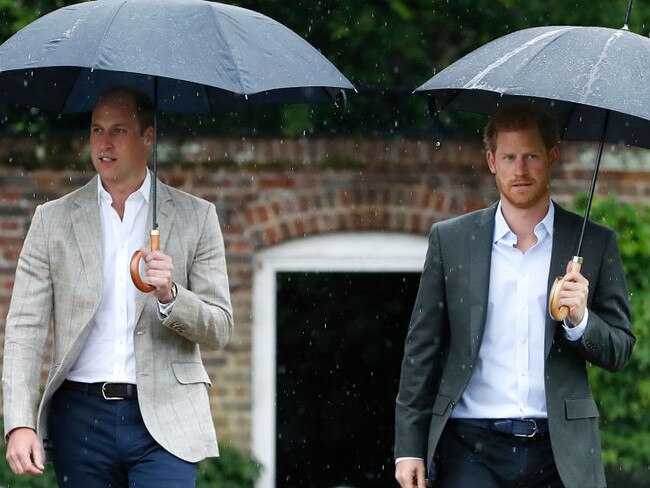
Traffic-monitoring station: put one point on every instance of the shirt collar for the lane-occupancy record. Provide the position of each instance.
(502, 230)
(144, 190)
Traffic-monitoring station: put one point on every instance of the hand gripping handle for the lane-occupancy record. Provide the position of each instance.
(554, 309)
(135, 263)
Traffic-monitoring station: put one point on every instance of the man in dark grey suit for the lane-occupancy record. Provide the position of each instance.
(493, 392)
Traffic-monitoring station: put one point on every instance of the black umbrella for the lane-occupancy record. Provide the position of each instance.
(190, 56)
(595, 80)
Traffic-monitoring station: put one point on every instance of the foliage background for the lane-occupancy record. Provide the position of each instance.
(624, 397)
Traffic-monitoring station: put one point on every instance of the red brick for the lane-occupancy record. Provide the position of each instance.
(303, 203)
(262, 214)
(270, 236)
(299, 225)
(285, 182)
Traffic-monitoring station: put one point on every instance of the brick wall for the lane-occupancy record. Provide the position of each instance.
(270, 191)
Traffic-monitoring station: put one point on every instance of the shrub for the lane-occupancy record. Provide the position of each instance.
(230, 470)
(624, 397)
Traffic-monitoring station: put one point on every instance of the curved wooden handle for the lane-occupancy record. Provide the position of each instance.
(555, 311)
(135, 264)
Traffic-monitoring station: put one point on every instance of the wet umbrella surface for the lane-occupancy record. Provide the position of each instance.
(189, 56)
(595, 80)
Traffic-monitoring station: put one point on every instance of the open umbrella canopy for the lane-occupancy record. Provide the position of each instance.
(190, 56)
(582, 74)
(595, 80)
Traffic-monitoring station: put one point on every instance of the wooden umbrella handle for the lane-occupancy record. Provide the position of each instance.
(556, 311)
(135, 263)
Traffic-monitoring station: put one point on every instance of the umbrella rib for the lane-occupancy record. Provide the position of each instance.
(474, 82)
(565, 128)
(231, 50)
(69, 91)
(594, 70)
(105, 33)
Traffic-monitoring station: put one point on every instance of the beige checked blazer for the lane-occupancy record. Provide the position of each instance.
(59, 281)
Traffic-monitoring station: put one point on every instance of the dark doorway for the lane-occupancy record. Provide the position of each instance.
(340, 339)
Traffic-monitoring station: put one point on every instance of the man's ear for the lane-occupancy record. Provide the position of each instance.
(553, 157)
(489, 155)
(148, 136)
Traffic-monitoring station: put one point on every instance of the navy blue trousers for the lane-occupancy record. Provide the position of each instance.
(472, 457)
(101, 443)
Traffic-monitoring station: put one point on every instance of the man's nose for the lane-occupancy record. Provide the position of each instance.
(521, 167)
(106, 141)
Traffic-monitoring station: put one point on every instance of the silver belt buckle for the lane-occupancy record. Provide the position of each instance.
(107, 397)
(532, 421)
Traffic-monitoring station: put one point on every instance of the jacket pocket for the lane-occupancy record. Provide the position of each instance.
(189, 373)
(580, 408)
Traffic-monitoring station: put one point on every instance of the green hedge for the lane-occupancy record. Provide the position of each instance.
(624, 398)
(230, 470)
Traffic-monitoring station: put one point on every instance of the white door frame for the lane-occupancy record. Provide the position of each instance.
(344, 252)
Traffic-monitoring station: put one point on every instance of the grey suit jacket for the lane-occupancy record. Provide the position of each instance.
(59, 282)
(447, 327)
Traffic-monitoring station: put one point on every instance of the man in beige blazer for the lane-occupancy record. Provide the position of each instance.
(125, 402)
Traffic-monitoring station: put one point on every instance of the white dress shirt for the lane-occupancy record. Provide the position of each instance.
(508, 378)
(108, 354)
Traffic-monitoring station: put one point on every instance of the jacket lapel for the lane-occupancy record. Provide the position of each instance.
(565, 241)
(166, 211)
(480, 257)
(88, 232)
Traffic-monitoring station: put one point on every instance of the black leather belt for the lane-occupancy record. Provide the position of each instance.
(516, 427)
(108, 391)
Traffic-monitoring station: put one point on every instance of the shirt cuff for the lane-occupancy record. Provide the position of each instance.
(575, 333)
(164, 309)
(400, 459)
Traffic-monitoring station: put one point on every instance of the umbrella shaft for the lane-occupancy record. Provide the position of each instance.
(154, 213)
(594, 177)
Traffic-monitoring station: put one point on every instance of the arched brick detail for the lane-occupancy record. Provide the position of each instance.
(277, 217)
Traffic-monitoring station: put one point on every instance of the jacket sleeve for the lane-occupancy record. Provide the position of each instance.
(608, 339)
(26, 331)
(424, 354)
(202, 312)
